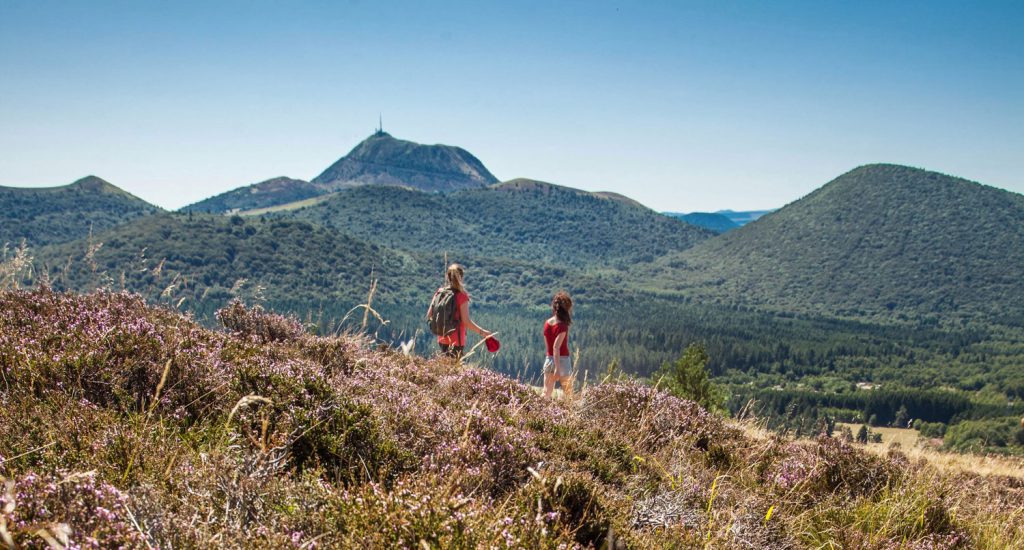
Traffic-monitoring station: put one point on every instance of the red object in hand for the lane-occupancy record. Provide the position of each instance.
(493, 344)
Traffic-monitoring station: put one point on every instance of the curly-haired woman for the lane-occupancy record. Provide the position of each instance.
(557, 365)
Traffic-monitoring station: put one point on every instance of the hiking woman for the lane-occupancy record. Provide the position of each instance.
(557, 365)
(453, 344)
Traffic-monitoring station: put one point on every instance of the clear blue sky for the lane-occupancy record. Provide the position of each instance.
(683, 106)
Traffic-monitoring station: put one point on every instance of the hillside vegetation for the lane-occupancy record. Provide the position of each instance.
(520, 219)
(878, 239)
(265, 194)
(49, 215)
(139, 428)
(716, 223)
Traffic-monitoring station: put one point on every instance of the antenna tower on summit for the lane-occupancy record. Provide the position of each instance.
(380, 123)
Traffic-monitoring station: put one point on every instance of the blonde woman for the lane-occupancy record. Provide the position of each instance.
(557, 365)
(454, 344)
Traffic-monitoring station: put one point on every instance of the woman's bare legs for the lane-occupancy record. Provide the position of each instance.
(567, 383)
(549, 383)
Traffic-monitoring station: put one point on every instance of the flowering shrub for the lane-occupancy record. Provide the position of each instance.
(77, 511)
(650, 417)
(259, 325)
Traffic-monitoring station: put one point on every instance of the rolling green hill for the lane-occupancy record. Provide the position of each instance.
(880, 240)
(265, 194)
(520, 219)
(45, 215)
(717, 223)
(301, 267)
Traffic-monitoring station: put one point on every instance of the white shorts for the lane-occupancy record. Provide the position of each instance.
(564, 367)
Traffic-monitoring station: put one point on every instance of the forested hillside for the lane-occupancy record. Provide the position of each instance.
(879, 241)
(272, 192)
(46, 215)
(521, 219)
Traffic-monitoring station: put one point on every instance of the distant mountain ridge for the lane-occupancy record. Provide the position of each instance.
(383, 160)
(880, 239)
(378, 160)
(47, 215)
(743, 217)
(716, 223)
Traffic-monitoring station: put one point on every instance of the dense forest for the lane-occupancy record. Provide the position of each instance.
(42, 216)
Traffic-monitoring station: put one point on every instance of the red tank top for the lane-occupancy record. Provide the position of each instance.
(551, 332)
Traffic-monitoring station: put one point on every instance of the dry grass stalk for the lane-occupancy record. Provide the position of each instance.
(245, 402)
(369, 303)
(17, 267)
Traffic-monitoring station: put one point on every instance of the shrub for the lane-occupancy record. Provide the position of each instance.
(73, 509)
(931, 429)
(258, 324)
(688, 378)
(980, 435)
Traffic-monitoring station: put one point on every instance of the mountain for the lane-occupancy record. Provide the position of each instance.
(383, 160)
(743, 218)
(378, 160)
(716, 223)
(45, 215)
(881, 238)
(265, 194)
(519, 219)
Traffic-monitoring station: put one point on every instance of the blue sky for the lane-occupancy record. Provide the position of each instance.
(684, 106)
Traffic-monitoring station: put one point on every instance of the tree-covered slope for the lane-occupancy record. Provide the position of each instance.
(717, 223)
(520, 219)
(383, 160)
(48, 215)
(879, 238)
(298, 266)
(272, 192)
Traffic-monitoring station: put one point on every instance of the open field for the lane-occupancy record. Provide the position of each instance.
(916, 448)
(285, 207)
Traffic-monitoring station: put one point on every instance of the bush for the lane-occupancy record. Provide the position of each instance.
(981, 435)
(688, 378)
(258, 324)
(931, 429)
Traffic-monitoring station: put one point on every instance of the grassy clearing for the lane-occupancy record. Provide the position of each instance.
(286, 207)
(127, 425)
(904, 437)
(910, 443)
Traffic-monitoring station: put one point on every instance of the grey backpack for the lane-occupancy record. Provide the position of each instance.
(443, 313)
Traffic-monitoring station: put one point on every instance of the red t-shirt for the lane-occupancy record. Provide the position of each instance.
(551, 332)
(457, 338)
